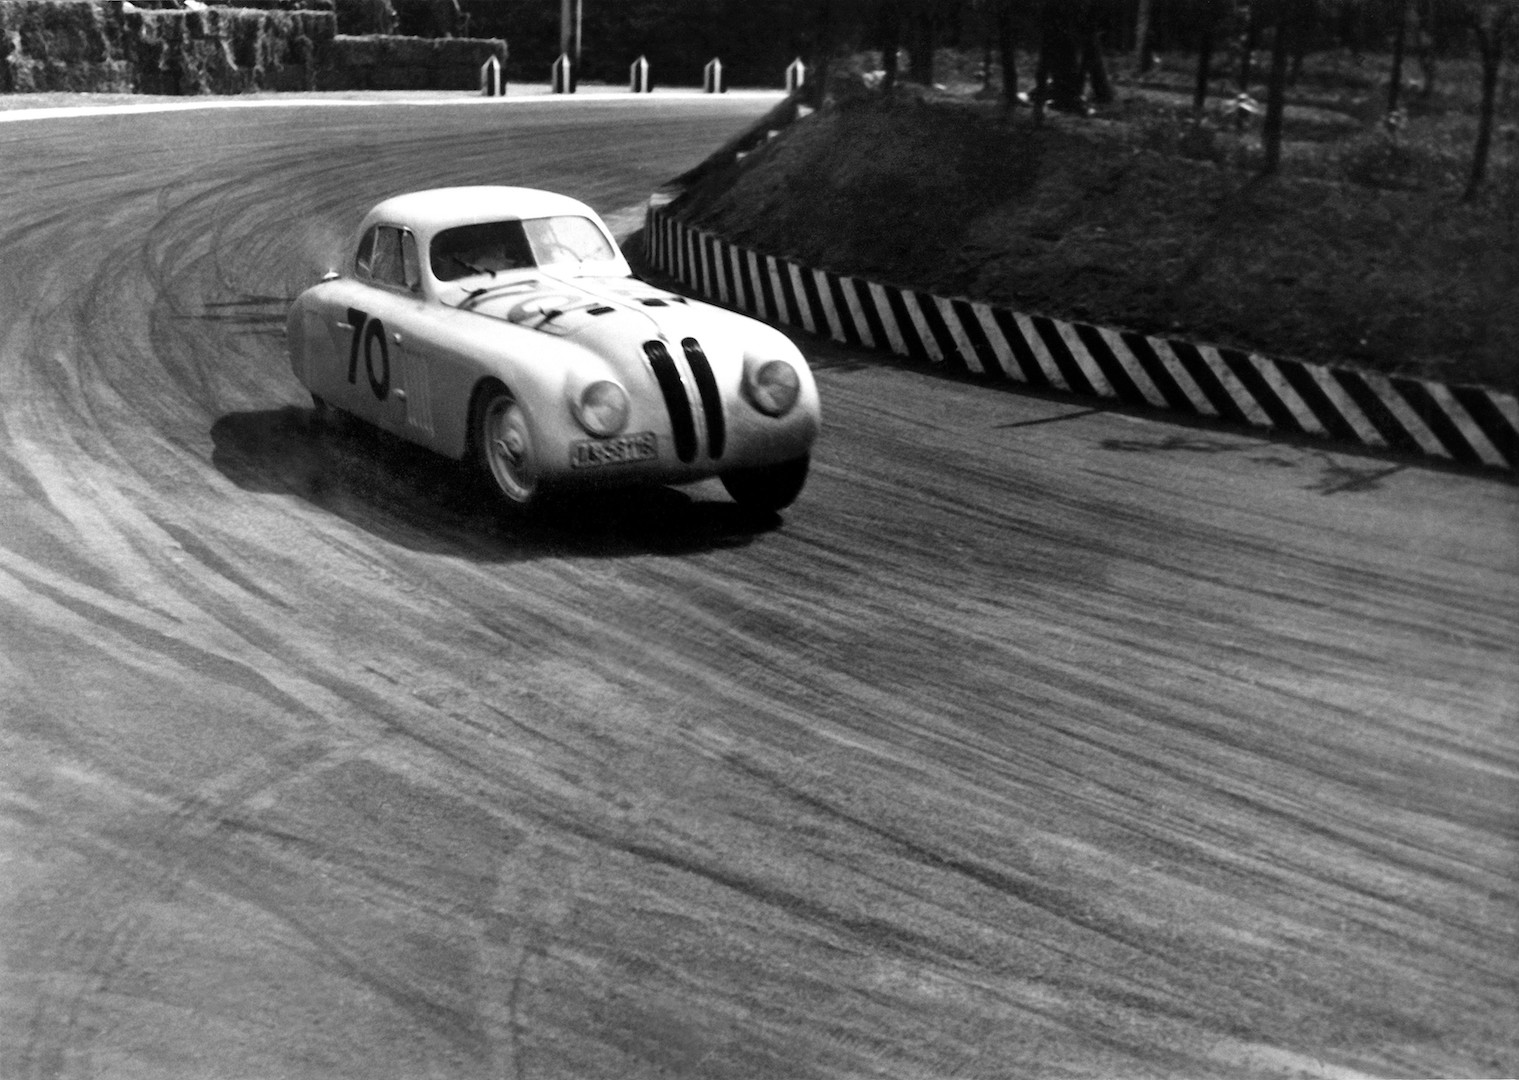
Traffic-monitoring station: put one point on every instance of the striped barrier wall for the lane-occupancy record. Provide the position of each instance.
(1465, 424)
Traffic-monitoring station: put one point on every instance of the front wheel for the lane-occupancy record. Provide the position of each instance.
(768, 487)
(504, 443)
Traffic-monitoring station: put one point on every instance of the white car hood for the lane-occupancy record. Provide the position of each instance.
(588, 307)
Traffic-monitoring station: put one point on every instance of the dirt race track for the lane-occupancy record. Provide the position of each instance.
(1034, 741)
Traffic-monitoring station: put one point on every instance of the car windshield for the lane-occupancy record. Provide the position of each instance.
(567, 240)
(493, 246)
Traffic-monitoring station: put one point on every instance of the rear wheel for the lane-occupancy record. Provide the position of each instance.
(504, 443)
(768, 487)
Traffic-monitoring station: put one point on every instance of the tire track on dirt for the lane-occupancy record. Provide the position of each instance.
(1017, 747)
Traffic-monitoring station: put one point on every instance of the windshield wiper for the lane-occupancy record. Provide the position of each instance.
(471, 267)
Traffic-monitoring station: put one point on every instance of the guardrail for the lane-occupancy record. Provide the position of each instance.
(1470, 425)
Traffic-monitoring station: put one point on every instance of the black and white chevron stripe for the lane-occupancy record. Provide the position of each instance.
(1466, 424)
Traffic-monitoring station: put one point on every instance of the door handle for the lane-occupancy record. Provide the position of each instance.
(396, 338)
(399, 395)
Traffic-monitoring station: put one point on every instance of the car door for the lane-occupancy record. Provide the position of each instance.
(381, 350)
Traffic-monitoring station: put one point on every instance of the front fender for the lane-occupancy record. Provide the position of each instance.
(542, 372)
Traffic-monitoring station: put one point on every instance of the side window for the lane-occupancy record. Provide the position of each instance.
(364, 260)
(387, 268)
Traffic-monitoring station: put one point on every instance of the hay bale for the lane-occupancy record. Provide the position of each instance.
(60, 46)
(469, 52)
(406, 52)
(291, 6)
(66, 45)
(397, 63)
(66, 32)
(228, 50)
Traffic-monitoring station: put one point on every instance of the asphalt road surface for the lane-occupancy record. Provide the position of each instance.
(1035, 740)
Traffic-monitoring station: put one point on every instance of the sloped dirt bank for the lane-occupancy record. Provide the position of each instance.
(1080, 219)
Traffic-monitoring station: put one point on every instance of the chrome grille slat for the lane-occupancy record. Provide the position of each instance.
(711, 398)
(673, 387)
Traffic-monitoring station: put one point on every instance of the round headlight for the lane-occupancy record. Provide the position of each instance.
(774, 387)
(602, 409)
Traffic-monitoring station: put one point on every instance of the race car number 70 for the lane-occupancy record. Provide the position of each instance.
(366, 332)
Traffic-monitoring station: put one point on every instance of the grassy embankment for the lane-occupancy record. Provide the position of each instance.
(1358, 253)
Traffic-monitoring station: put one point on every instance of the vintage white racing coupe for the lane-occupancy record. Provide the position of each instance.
(502, 325)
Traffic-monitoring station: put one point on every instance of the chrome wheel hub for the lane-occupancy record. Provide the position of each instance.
(510, 451)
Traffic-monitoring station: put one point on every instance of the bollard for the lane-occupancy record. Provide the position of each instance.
(638, 76)
(560, 76)
(712, 78)
(796, 75)
(490, 79)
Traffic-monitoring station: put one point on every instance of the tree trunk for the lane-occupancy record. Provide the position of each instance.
(1276, 91)
(1007, 47)
(1400, 37)
(1142, 37)
(1094, 67)
(1060, 55)
(1490, 44)
(1039, 96)
(1204, 63)
(891, 42)
(1426, 48)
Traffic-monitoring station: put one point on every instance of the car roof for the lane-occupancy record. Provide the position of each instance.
(441, 208)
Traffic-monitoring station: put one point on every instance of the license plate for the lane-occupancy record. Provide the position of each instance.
(619, 451)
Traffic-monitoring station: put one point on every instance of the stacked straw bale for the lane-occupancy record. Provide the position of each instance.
(227, 50)
(81, 45)
(45, 45)
(407, 63)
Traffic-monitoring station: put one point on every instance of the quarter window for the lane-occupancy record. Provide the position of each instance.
(388, 268)
(364, 260)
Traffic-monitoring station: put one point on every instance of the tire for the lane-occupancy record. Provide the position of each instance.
(504, 445)
(768, 487)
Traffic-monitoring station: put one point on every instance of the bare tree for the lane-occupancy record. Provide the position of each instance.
(1399, 42)
(1492, 22)
(1142, 36)
(1209, 15)
(1093, 64)
(1287, 12)
(1007, 51)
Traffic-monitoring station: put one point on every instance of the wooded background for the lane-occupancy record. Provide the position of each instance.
(756, 39)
